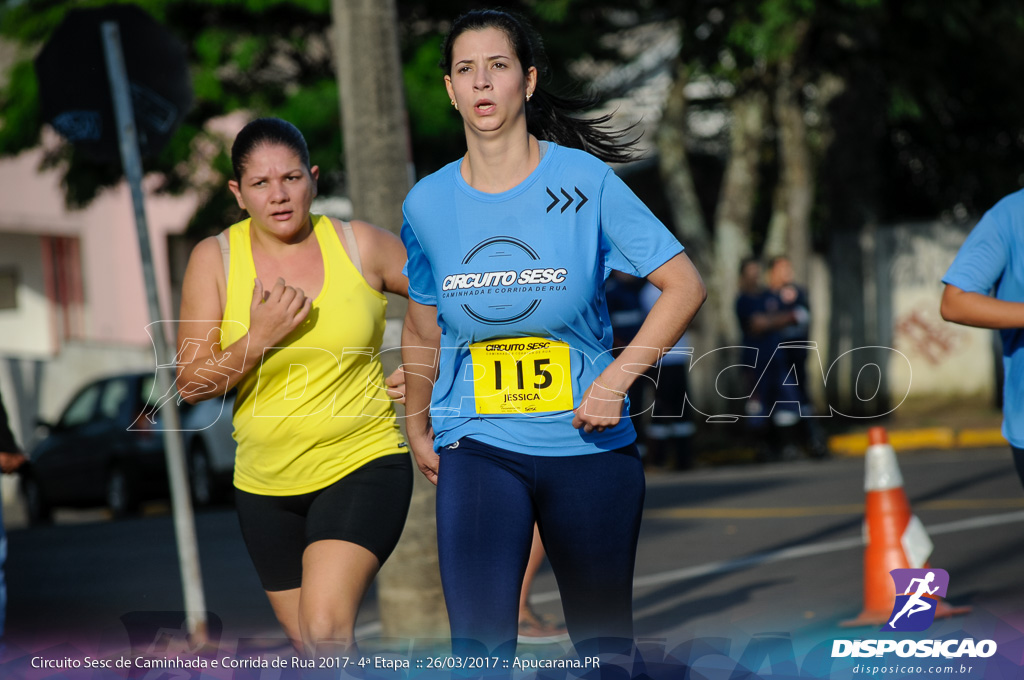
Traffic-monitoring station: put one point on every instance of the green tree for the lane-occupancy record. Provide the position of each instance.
(268, 57)
(239, 58)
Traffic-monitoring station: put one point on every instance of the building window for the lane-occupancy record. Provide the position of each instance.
(63, 278)
(8, 288)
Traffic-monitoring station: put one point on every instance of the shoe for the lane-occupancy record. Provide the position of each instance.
(534, 630)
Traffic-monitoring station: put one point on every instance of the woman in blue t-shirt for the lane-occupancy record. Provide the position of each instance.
(515, 402)
(985, 288)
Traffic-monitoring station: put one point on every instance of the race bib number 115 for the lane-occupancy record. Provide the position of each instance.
(521, 375)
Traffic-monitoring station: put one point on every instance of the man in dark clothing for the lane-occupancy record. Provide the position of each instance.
(11, 459)
(773, 403)
(793, 299)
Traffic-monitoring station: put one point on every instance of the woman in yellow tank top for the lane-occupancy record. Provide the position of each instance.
(289, 308)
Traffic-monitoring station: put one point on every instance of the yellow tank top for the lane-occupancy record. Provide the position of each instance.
(315, 409)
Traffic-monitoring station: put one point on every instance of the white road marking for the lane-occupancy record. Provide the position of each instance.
(725, 566)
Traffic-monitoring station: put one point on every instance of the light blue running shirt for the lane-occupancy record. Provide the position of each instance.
(993, 257)
(528, 264)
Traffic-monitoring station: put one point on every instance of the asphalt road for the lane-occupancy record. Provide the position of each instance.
(735, 552)
(779, 547)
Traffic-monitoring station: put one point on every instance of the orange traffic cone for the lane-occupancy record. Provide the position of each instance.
(896, 539)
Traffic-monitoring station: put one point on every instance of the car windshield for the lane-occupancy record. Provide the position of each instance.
(82, 408)
(115, 396)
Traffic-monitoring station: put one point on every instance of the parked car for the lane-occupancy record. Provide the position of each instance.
(107, 448)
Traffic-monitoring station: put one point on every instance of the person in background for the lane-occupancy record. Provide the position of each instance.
(622, 292)
(534, 628)
(985, 288)
(11, 458)
(772, 406)
(670, 432)
(793, 299)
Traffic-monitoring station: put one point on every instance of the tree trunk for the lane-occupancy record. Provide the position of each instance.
(849, 181)
(687, 215)
(736, 206)
(374, 124)
(790, 229)
(377, 159)
(676, 174)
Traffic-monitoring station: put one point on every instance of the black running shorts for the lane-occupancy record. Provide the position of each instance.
(366, 507)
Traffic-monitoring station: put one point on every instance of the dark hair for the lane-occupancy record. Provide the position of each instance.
(747, 261)
(548, 116)
(266, 131)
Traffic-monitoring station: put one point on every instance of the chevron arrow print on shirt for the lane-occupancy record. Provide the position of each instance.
(556, 199)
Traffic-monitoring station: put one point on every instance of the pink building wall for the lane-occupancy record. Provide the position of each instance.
(115, 311)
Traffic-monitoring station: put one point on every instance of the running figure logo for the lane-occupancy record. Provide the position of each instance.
(915, 608)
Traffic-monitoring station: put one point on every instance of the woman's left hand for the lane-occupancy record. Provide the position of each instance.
(395, 385)
(601, 407)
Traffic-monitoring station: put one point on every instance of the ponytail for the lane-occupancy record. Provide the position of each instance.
(551, 117)
(548, 116)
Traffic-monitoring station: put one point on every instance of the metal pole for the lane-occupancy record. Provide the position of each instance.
(184, 523)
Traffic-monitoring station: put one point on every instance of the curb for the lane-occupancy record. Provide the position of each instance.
(924, 438)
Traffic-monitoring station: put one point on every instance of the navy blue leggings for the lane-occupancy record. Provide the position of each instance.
(588, 509)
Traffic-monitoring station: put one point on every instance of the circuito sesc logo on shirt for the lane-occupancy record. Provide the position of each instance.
(507, 284)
